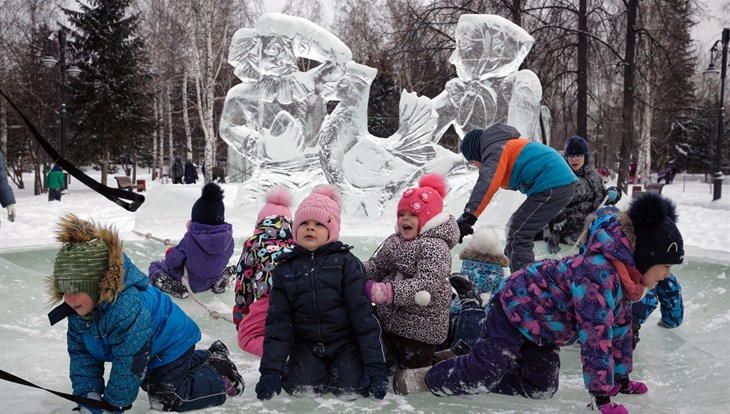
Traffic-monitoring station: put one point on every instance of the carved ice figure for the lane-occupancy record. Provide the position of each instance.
(489, 51)
(272, 117)
(369, 170)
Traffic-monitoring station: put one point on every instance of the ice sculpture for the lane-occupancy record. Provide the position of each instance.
(367, 169)
(490, 88)
(272, 117)
(276, 121)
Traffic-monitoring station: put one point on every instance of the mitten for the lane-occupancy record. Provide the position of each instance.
(553, 246)
(465, 222)
(605, 406)
(269, 384)
(626, 386)
(375, 380)
(614, 195)
(11, 212)
(379, 293)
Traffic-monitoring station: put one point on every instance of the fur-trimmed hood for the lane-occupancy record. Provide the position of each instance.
(484, 246)
(72, 229)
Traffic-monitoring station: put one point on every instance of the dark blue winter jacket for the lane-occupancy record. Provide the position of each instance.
(318, 297)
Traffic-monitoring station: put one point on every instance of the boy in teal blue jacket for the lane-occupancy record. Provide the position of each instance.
(115, 316)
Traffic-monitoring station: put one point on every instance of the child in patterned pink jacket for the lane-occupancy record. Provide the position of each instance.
(272, 236)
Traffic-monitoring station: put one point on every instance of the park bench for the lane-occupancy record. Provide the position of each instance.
(125, 183)
(654, 187)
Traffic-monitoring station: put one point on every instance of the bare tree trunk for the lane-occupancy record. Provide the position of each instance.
(582, 81)
(643, 169)
(168, 103)
(4, 129)
(161, 133)
(627, 128)
(186, 117)
(154, 143)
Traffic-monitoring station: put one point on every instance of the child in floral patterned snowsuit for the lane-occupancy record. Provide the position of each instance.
(272, 236)
(554, 303)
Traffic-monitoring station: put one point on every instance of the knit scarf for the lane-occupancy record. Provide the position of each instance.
(630, 281)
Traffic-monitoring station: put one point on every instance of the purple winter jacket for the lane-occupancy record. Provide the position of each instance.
(205, 250)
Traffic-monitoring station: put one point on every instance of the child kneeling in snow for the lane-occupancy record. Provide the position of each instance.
(271, 238)
(321, 333)
(554, 303)
(115, 316)
(416, 258)
(204, 250)
(482, 271)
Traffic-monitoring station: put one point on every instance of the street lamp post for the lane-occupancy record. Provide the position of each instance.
(711, 70)
(49, 61)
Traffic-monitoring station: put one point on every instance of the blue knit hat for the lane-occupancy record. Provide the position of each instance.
(209, 208)
(471, 145)
(577, 145)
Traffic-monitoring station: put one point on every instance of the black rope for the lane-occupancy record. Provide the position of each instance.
(89, 402)
(116, 195)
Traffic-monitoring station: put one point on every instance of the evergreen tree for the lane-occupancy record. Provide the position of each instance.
(109, 106)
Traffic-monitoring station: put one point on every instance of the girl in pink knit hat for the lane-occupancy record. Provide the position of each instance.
(321, 333)
(416, 258)
(271, 237)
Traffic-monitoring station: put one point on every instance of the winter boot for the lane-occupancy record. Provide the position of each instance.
(410, 381)
(232, 380)
(465, 289)
(218, 347)
(170, 286)
(224, 282)
(459, 348)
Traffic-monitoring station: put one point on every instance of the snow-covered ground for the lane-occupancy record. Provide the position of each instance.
(685, 368)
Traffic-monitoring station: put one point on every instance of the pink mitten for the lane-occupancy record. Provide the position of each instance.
(627, 386)
(379, 293)
(612, 408)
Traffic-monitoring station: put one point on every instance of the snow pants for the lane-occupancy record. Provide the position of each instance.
(315, 368)
(503, 361)
(186, 384)
(251, 332)
(529, 219)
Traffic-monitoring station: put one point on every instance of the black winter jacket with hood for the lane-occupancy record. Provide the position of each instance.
(318, 298)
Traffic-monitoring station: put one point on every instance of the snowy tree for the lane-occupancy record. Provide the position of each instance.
(112, 114)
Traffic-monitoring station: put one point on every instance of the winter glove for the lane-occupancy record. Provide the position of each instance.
(379, 293)
(11, 212)
(375, 380)
(605, 406)
(269, 384)
(626, 386)
(614, 195)
(83, 409)
(553, 246)
(465, 222)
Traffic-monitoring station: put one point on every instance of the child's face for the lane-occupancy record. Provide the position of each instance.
(81, 302)
(407, 225)
(655, 274)
(312, 234)
(576, 161)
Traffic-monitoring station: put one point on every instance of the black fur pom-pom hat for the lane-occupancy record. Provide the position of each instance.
(209, 208)
(658, 240)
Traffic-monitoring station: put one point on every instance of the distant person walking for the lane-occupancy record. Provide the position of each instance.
(54, 183)
(191, 173)
(178, 171)
(7, 198)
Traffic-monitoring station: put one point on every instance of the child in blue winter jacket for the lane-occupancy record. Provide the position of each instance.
(204, 250)
(115, 316)
(321, 332)
(554, 303)
(482, 272)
